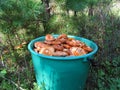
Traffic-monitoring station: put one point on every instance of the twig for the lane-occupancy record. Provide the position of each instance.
(1, 57)
(20, 88)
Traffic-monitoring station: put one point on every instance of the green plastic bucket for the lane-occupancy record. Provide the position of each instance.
(61, 73)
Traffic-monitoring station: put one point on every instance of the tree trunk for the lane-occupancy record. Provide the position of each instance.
(47, 8)
(91, 10)
(46, 14)
(75, 13)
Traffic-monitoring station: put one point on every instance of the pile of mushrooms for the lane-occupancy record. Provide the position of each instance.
(61, 46)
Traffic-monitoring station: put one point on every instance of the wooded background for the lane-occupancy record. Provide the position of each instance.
(23, 20)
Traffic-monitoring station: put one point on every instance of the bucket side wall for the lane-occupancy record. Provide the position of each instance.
(61, 75)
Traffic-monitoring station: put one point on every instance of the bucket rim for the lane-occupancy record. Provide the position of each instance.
(62, 58)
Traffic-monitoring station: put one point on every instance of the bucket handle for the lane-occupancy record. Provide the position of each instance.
(93, 62)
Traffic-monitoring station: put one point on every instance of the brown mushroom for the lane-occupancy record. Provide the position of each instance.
(49, 37)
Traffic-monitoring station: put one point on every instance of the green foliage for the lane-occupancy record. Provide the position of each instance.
(109, 77)
(18, 13)
(92, 2)
(3, 73)
(76, 5)
(6, 86)
(36, 87)
(55, 25)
